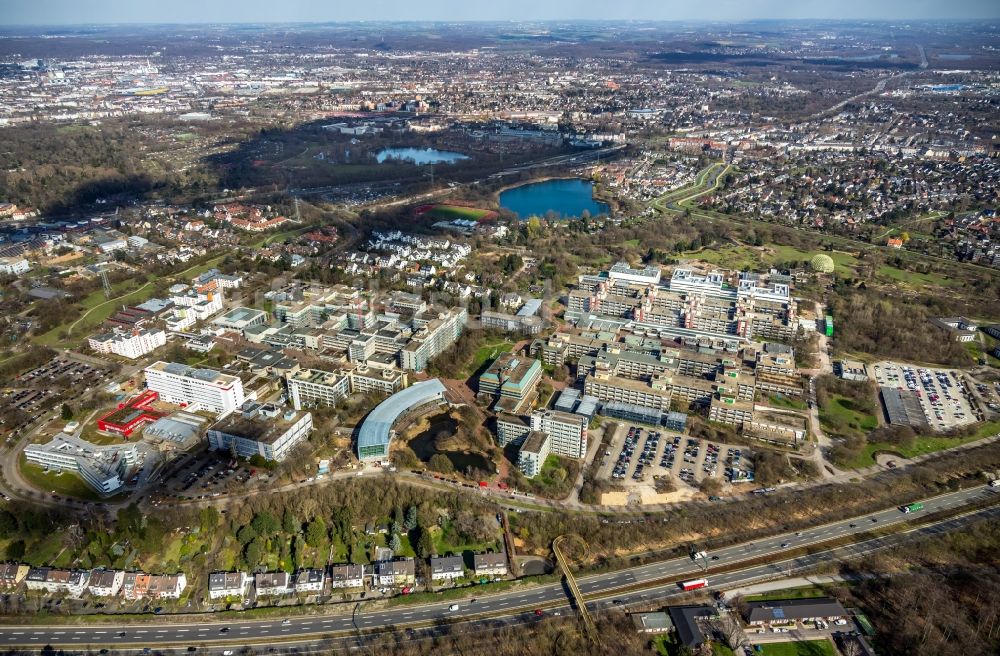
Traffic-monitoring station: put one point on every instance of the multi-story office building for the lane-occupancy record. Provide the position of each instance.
(511, 376)
(512, 429)
(434, 332)
(533, 452)
(567, 432)
(197, 389)
(260, 430)
(727, 410)
(655, 394)
(308, 387)
(128, 344)
(103, 468)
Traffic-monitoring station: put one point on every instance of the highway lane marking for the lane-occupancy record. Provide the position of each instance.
(100, 632)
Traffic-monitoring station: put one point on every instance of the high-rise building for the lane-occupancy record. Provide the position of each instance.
(199, 389)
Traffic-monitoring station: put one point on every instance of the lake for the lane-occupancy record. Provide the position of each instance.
(567, 198)
(420, 155)
(423, 446)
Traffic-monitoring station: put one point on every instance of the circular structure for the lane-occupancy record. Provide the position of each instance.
(822, 263)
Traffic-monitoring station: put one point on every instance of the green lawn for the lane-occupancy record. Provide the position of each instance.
(804, 648)
(66, 483)
(804, 592)
(780, 401)
(488, 352)
(747, 257)
(913, 278)
(922, 445)
(842, 417)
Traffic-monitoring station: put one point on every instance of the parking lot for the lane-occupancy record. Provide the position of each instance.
(640, 455)
(944, 394)
(206, 474)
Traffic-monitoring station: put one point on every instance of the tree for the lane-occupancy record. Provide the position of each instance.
(8, 524)
(265, 524)
(395, 543)
(254, 552)
(15, 550)
(425, 544)
(290, 523)
(441, 463)
(316, 533)
(411, 518)
(209, 519)
(246, 534)
(298, 550)
(67, 412)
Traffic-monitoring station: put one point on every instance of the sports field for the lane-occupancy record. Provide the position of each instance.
(452, 212)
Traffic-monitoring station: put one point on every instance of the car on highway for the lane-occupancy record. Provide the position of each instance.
(784, 545)
(853, 525)
(285, 622)
(453, 607)
(224, 629)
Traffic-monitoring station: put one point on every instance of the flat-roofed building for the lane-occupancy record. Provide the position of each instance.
(129, 344)
(512, 377)
(103, 468)
(241, 318)
(567, 432)
(433, 333)
(728, 410)
(511, 428)
(260, 429)
(196, 389)
(307, 387)
(376, 432)
(531, 457)
(655, 394)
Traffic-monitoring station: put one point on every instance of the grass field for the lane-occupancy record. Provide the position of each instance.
(914, 279)
(488, 352)
(66, 483)
(780, 401)
(803, 648)
(747, 257)
(458, 212)
(922, 445)
(842, 417)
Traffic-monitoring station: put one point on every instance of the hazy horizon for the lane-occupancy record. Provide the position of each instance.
(191, 12)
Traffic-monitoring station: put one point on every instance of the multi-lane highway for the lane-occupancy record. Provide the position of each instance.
(653, 581)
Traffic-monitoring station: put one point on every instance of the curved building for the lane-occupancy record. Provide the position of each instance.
(376, 431)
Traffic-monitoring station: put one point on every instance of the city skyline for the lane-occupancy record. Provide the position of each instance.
(64, 12)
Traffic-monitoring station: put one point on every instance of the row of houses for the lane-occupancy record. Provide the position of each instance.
(397, 573)
(98, 582)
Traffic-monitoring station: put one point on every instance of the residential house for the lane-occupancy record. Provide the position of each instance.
(490, 564)
(227, 584)
(105, 582)
(272, 583)
(446, 568)
(347, 576)
(309, 580)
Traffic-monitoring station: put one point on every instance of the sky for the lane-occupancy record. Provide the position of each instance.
(67, 12)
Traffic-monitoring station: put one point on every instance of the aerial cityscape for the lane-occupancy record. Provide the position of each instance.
(557, 329)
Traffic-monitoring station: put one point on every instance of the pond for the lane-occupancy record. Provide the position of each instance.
(423, 445)
(565, 198)
(420, 155)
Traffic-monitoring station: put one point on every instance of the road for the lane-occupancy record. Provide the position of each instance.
(657, 580)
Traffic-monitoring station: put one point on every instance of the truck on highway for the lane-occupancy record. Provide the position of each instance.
(693, 584)
(911, 507)
(995, 482)
(699, 554)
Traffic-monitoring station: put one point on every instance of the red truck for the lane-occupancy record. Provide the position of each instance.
(694, 584)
